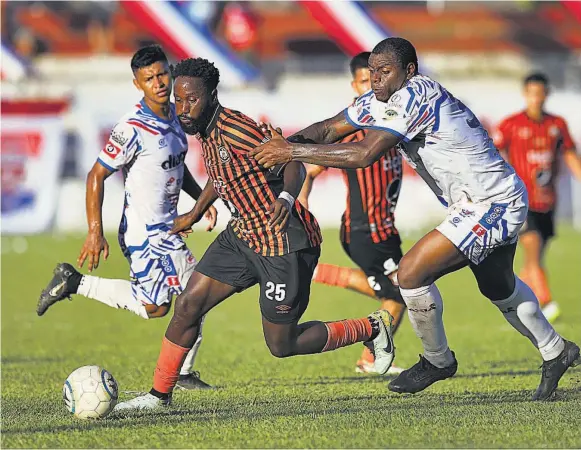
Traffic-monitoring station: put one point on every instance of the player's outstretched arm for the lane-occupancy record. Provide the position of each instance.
(183, 223)
(351, 155)
(325, 132)
(294, 175)
(312, 173)
(191, 187)
(95, 243)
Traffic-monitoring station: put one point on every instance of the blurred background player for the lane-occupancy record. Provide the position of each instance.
(149, 146)
(368, 232)
(271, 240)
(534, 142)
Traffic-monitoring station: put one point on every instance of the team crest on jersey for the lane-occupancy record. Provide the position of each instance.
(390, 114)
(223, 154)
(554, 130)
(112, 150)
(525, 133)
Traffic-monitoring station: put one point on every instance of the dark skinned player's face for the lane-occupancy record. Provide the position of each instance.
(194, 104)
(387, 75)
(361, 81)
(155, 82)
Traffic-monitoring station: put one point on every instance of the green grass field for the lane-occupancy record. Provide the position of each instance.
(309, 401)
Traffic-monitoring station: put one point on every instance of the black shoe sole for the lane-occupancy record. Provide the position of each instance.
(393, 387)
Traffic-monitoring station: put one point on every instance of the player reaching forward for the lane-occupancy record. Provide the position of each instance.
(271, 240)
(533, 141)
(449, 148)
(368, 232)
(149, 146)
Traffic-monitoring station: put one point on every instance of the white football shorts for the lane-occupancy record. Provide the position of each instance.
(157, 280)
(476, 229)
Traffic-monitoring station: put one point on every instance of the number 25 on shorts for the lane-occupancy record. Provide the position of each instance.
(275, 291)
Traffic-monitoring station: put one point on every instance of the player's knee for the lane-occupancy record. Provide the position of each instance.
(189, 307)
(280, 349)
(408, 275)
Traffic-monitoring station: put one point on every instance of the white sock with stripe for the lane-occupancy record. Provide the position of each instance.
(114, 293)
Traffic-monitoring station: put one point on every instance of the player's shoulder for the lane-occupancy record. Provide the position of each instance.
(126, 129)
(555, 119)
(233, 117)
(419, 85)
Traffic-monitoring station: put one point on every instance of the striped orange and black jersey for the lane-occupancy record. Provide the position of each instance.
(249, 189)
(372, 194)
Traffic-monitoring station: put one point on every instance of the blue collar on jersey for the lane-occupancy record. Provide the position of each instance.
(148, 110)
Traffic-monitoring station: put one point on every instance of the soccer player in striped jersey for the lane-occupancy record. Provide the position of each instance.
(271, 240)
(368, 232)
(487, 205)
(534, 142)
(149, 147)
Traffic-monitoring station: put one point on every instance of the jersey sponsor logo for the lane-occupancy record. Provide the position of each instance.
(455, 221)
(479, 230)
(162, 143)
(170, 182)
(220, 186)
(491, 218)
(554, 130)
(466, 212)
(112, 150)
(395, 98)
(173, 161)
(223, 154)
(540, 157)
(118, 138)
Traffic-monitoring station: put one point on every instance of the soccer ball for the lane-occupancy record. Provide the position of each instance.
(90, 392)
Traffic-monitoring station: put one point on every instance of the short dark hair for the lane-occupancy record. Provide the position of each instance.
(198, 68)
(359, 61)
(146, 56)
(403, 50)
(536, 77)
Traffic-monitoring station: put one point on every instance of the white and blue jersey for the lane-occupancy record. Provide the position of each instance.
(442, 140)
(150, 151)
(450, 149)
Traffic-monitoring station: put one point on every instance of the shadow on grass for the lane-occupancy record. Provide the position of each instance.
(257, 410)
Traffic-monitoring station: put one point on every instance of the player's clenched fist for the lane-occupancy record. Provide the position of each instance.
(95, 243)
(276, 151)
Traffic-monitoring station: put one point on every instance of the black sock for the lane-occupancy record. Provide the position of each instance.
(74, 281)
(159, 395)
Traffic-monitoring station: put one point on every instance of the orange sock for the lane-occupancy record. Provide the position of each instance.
(347, 332)
(167, 371)
(540, 286)
(332, 275)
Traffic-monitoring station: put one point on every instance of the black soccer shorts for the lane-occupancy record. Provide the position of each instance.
(377, 261)
(285, 281)
(541, 222)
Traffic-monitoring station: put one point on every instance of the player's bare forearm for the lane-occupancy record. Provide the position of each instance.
(573, 162)
(294, 176)
(325, 132)
(190, 186)
(351, 155)
(94, 197)
(206, 198)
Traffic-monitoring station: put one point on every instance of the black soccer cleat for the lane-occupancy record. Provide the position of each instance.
(192, 381)
(420, 376)
(554, 369)
(60, 287)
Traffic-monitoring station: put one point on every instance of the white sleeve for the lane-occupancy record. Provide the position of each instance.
(404, 115)
(121, 147)
(359, 113)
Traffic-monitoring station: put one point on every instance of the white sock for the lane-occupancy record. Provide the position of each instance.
(191, 356)
(115, 293)
(523, 312)
(425, 310)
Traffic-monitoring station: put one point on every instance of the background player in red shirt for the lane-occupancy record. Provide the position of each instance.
(534, 141)
(368, 233)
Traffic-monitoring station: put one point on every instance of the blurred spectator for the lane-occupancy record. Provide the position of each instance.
(94, 18)
(240, 29)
